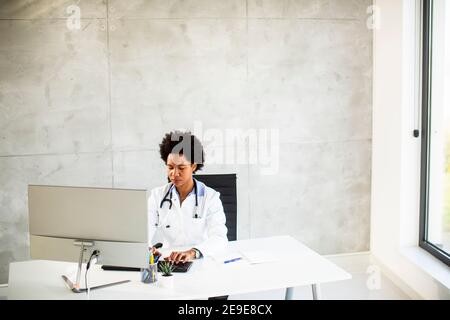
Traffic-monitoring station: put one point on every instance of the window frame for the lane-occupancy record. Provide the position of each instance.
(426, 78)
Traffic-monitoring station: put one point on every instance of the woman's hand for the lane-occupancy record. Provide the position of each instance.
(181, 256)
(155, 251)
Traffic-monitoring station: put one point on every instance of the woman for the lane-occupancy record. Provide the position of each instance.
(185, 212)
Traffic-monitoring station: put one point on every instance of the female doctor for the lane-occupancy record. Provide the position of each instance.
(185, 212)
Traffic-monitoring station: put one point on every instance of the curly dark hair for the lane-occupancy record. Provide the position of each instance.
(185, 143)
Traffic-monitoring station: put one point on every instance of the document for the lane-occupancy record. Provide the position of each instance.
(259, 256)
(228, 257)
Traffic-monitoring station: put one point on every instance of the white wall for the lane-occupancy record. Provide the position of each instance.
(396, 153)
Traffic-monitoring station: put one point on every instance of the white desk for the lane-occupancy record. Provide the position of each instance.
(297, 265)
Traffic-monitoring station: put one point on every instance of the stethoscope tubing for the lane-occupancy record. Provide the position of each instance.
(169, 194)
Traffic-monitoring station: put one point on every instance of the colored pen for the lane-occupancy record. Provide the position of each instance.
(232, 260)
(152, 262)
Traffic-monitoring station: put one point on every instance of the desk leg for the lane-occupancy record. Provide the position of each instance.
(289, 294)
(316, 291)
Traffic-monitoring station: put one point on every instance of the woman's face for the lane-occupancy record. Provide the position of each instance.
(179, 169)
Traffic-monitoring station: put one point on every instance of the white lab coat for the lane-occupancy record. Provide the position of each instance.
(178, 227)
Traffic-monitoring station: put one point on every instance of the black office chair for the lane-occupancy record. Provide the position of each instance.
(226, 185)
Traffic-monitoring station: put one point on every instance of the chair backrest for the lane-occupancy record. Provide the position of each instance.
(226, 185)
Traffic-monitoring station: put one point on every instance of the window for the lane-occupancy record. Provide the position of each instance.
(435, 160)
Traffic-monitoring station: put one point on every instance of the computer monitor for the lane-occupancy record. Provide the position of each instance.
(69, 223)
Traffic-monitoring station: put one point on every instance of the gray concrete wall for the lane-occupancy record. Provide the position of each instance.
(88, 107)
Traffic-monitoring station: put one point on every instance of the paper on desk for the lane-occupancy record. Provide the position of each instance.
(259, 256)
(227, 256)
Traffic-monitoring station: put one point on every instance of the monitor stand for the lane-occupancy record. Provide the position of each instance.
(76, 287)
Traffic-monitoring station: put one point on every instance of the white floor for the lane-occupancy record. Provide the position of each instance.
(366, 284)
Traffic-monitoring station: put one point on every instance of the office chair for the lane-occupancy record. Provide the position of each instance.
(226, 185)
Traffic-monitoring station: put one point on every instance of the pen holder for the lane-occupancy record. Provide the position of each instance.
(150, 274)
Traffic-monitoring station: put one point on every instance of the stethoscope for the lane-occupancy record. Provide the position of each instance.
(168, 198)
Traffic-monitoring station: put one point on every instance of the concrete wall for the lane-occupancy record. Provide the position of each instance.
(88, 107)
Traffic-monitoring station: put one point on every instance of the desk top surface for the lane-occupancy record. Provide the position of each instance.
(293, 265)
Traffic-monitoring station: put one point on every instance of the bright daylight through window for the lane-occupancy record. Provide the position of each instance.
(435, 224)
